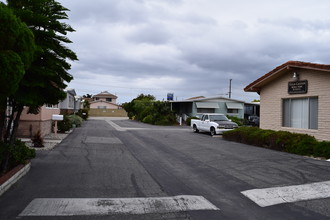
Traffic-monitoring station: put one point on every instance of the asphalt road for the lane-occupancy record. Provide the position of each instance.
(125, 159)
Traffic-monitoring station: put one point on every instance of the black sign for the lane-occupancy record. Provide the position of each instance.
(299, 87)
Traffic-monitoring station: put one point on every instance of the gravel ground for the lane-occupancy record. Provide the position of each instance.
(50, 141)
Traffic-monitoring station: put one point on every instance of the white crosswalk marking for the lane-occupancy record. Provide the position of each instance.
(287, 194)
(103, 206)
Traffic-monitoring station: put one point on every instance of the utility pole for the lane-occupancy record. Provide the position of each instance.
(229, 93)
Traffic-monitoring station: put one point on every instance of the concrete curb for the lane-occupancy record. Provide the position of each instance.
(14, 178)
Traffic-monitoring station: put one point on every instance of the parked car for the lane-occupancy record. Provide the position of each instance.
(213, 123)
(253, 120)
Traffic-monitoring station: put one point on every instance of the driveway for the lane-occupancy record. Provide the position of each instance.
(155, 172)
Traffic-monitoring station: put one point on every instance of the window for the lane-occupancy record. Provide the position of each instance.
(51, 106)
(300, 113)
(205, 110)
(108, 99)
(232, 111)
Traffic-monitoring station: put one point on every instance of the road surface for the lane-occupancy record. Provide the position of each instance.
(121, 169)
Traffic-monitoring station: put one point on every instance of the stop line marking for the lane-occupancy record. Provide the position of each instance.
(288, 194)
(109, 206)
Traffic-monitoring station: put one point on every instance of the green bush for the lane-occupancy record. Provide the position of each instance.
(69, 121)
(237, 120)
(166, 120)
(75, 120)
(146, 109)
(83, 113)
(301, 144)
(20, 153)
(64, 125)
(148, 119)
(322, 149)
(188, 121)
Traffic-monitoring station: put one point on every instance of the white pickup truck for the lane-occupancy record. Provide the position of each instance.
(213, 123)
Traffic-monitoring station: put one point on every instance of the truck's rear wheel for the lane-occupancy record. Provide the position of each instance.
(195, 129)
(212, 131)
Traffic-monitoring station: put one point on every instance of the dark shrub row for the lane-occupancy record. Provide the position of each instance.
(69, 121)
(188, 121)
(301, 144)
(19, 153)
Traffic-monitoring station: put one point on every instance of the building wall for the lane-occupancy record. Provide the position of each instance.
(107, 113)
(44, 114)
(100, 104)
(31, 123)
(271, 97)
(68, 102)
(29, 128)
(222, 108)
(102, 98)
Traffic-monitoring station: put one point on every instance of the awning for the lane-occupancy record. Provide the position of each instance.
(207, 105)
(234, 105)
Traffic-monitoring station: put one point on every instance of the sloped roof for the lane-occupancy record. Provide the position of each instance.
(105, 94)
(209, 98)
(71, 91)
(256, 85)
(198, 97)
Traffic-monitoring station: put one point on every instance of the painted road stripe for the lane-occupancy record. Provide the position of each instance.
(278, 195)
(103, 206)
(118, 128)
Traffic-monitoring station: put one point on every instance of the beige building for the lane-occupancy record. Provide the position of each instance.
(31, 123)
(104, 100)
(104, 104)
(295, 97)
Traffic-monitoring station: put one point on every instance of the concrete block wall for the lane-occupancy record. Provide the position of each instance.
(271, 97)
(29, 128)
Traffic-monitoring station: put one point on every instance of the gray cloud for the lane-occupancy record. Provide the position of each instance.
(191, 47)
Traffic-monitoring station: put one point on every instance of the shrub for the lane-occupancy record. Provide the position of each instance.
(83, 113)
(148, 119)
(144, 108)
(20, 153)
(37, 140)
(322, 149)
(75, 120)
(166, 120)
(64, 125)
(237, 120)
(301, 144)
(188, 121)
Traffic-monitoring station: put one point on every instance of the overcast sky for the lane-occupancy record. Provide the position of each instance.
(191, 47)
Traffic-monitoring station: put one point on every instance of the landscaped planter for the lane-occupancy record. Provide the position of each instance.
(10, 178)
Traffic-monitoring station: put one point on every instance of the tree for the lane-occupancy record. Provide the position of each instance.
(47, 76)
(45, 79)
(146, 109)
(16, 54)
(88, 96)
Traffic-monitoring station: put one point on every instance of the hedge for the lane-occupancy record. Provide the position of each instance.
(301, 144)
